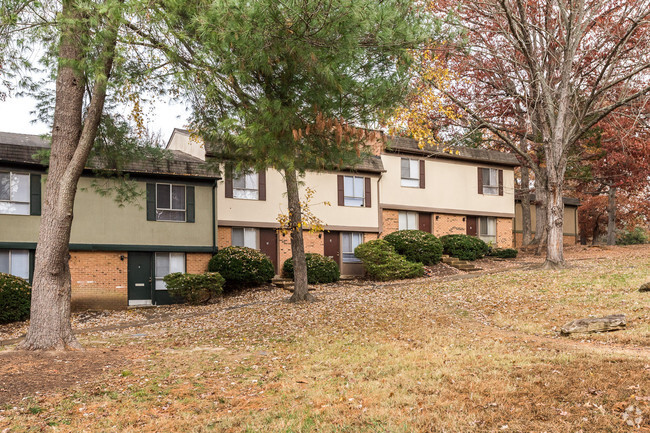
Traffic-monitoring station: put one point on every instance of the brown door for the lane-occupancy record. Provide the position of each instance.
(269, 245)
(333, 246)
(424, 219)
(471, 226)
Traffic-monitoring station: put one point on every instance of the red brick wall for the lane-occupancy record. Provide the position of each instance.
(313, 244)
(99, 280)
(504, 232)
(197, 263)
(224, 237)
(448, 225)
(390, 221)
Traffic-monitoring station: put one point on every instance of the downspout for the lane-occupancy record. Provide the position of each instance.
(214, 217)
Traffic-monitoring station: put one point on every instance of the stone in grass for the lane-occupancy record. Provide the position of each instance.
(614, 322)
(645, 287)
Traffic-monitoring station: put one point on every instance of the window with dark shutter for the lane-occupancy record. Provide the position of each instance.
(368, 201)
(191, 212)
(262, 185)
(151, 202)
(340, 190)
(422, 184)
(228, 183)
(35, 194)
(500, 182)
(480, 180)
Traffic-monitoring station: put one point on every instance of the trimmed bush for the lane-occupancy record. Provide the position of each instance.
(464, 247)
(320, 269)
(242, 267)
(382, 262)
(503, 253)
(194, 288)
(416, 246)
(632, 237)
(15, 298)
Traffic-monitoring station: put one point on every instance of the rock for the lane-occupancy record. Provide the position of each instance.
(645, 287)
(614, 322)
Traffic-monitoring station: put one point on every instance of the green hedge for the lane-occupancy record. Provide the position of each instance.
(416, 246)
(382, 262)
(242, 267)
(320, 269)
(464, 247)
(503, 253)
(194, 288)
(15, 298)
(635, 236)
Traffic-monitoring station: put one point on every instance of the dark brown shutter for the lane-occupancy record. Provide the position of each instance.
(500, 182)
(422, 173)
(35, 194)
(190, 205)
(340, 190)
(228, 182)
(368, 191)
(480, 180)
(262, 185)
(151, 202)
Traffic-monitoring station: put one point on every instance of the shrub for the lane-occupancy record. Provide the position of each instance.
(194, 288)
(242, 266)
(416, 246)
(504, 253)
(15, 298)
(632, 237)
(320, 269)
(464, 247)
(382, 262)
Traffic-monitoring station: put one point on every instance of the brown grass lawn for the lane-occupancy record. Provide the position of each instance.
(479, 354)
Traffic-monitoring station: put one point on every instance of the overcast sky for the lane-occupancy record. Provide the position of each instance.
(15, 117)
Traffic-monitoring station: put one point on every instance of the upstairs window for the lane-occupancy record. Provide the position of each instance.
(490, 181)
(353, 191)
(246, 186)
(408, 220)
(14, 193)
(15, 262)
(245, 237)
(170, 202)
(410, 173)
(488, 229)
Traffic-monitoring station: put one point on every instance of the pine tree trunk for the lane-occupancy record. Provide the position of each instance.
(525, 207)
(611, 216)
(301, 289)
(49, 327)
(555, 225)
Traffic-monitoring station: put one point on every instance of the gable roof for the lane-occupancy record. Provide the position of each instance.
(410, 146)
(19, 150)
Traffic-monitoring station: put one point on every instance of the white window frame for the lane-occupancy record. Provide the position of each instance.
(251, 189)
(490, 188)
(490, 226)
(407, 220)
(412, 178)
(10, 258)
(348, 256)
(7, 205)
(159, 284)
(351, 198)
(246, 230)
(159, 210)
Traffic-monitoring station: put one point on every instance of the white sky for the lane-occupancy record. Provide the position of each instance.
(15, 117)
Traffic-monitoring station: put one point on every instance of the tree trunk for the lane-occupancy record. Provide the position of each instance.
(301, 289)
(611, 216)
(541, 206)
(49, 327)
(555, 225)
(525, 207)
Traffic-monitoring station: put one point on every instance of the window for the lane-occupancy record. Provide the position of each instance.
(488, 229)
(353, 191)
(349, 242)
(246, 186)
(244, 237)
(408, 220)
(410, 172)
(14, 193)
(15, 262)
(490, 181)
(170, 202)
(168, 263)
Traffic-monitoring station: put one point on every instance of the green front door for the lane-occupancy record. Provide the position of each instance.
(140, 278)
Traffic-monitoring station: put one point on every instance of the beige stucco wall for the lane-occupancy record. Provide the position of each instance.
(257, 213)
(99, 220)
(181, 140)
(450, 186)
(569, 219)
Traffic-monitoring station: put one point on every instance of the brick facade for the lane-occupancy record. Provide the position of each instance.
(390, 221)
(313, 244)
(99, 280)
(197, 263)
(504, 232)
(224, 237)
(444, 224)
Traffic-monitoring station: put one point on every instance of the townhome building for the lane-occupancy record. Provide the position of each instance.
(570, 220)
(397, 186)
(118, 253)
